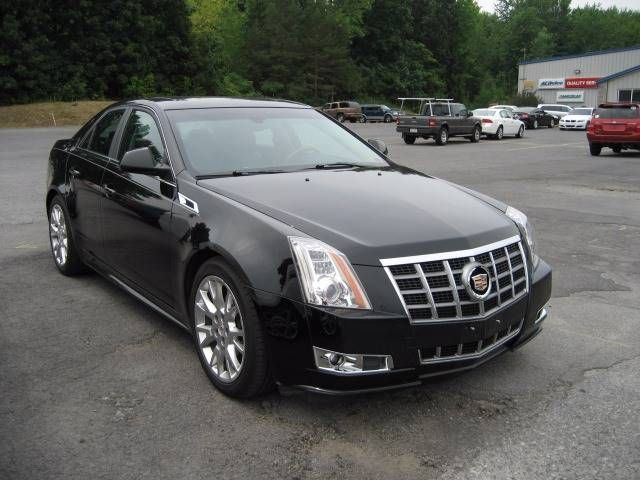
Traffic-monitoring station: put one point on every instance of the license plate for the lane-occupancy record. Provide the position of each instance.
(413, 130)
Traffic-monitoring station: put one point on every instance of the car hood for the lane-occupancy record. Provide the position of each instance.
(370, 214)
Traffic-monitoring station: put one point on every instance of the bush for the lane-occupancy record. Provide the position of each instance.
(525, 100)
(140, 87)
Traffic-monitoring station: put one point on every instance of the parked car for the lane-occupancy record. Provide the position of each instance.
(343, 111)
(578, 119)
(439, 120)
(616, 126)
(379, 113)
(535, 117)
(498, 123)
(512, 108)
(556, 110)
(248, 223)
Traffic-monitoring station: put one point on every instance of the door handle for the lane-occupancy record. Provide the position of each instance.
(74, 173)
(108, 191)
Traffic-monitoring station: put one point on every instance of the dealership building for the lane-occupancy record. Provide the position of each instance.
(584, 80)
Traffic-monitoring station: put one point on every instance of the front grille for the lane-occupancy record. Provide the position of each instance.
(469, 350)
(430, 286)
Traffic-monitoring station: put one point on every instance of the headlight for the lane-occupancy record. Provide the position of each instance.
(326, 276)
(522, 220)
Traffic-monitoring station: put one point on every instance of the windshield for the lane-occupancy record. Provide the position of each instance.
(225, 140)
(581, 111)
(485, 112)
(617, 112)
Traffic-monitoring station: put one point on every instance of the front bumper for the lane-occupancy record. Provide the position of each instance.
(577, 125)
(368, 333)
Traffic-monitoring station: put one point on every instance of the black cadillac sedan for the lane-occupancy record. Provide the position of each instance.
(534, 118)
(293, 251)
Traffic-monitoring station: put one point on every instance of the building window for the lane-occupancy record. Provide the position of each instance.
(629, 95)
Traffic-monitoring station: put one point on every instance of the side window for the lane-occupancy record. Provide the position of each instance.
(504, 114)
(440, 109)
(455, 109)
(334, 105)
(104, 132)
(344, 104)
(142, 131)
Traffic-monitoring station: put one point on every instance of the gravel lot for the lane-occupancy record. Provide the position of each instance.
(95, 385)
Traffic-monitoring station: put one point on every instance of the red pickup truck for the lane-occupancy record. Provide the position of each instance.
(614, 125)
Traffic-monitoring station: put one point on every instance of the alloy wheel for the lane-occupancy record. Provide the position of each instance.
(219, 328)
(58, 235)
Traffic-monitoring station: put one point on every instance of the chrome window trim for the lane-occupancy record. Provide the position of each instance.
(389, 262)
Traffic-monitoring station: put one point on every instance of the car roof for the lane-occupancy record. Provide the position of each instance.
(183, 103)
(619, 104)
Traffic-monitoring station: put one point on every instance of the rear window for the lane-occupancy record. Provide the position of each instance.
(485, 112)
(630, 111)
(437, 109)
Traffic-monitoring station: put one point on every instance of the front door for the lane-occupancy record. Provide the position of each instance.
(136, 214)
(86, 165)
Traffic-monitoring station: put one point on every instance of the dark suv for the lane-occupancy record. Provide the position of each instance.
(614, 125)
(439, 119)
(379, 113)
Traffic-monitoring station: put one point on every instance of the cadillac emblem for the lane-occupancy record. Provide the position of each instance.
(476, 281)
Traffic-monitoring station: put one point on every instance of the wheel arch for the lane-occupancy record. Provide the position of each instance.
(197, 259)
(50, 196)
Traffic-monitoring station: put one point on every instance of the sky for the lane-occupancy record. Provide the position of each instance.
(487, 5)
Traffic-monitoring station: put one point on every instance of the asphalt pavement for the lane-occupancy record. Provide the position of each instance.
(95, 385)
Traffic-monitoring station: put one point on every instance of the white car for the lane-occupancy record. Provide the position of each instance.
(578, 119)
(513, 108)
(556, 110)
(498, 123)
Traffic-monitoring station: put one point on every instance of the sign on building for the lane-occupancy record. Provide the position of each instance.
(581, 82)
(570, 97)
(550, 83)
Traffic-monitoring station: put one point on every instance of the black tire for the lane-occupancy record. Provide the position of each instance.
(387, 119)
(552, 123)
(254, 377)
(72, 263)
(340, 117)
(499, 133)
(595, 149)
(362, 119)
(520, 133)
(409, 139)
(616, 149)
(475, 135)
(443, 136)
(535, 124)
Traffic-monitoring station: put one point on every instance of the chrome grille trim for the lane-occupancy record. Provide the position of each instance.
(436, 275)
(480, 351)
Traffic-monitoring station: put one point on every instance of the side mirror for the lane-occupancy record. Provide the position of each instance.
(378, 145)
(141, 160)
(469, 114)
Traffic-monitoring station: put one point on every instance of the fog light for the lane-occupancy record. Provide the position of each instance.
(351, 364)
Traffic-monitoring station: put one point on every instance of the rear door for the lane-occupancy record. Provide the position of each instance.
(457, 122)
(136, 213)
(86, 165)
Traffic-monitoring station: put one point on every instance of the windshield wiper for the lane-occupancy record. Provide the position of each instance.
(320, 166)
(239, 173)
